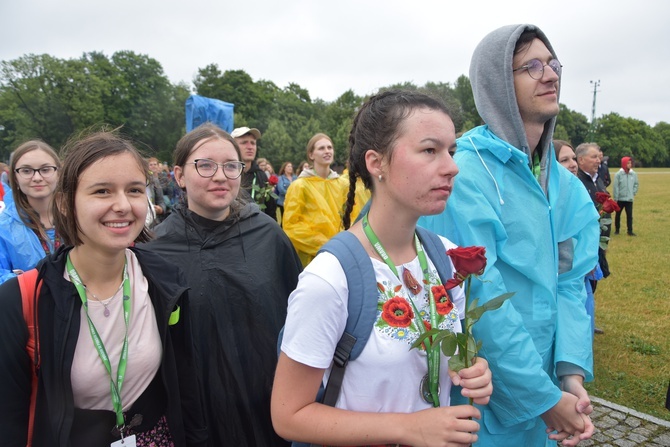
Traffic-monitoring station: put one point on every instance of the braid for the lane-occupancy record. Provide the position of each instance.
(351, 197)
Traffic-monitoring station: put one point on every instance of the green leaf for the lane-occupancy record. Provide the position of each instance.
(449, 345)
(456, 364)
(496, 302)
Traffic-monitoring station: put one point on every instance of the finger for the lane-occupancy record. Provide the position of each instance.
(455, 378)
(589, 429)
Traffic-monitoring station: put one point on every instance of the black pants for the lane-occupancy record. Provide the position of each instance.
(628, 206)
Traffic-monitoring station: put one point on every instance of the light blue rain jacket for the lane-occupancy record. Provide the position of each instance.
(20, 248)
(497, 203)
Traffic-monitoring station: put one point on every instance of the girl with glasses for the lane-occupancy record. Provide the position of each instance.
(240, 268)
(27, 231)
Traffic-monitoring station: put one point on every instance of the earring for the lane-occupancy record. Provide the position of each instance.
(381, 178)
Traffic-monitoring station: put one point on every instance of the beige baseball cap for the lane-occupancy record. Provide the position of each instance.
(241, 131)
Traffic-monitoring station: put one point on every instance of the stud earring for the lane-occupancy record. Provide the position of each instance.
(381, 178)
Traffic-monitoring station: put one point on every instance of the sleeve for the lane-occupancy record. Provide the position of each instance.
(5, 261)
(302, 222)
(636, 185)
(283, 185)
(159, 200)
(522, 390)
(577, 220)
(317, 313)
(15, 369)
(615, 190)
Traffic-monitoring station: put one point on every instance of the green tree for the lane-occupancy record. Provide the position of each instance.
(574, 124)
(621, 137)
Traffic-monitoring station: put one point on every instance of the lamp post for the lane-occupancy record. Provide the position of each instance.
(592, 127)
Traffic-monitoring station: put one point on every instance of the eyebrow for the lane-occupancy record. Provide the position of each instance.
(108, 184)
(438, 142)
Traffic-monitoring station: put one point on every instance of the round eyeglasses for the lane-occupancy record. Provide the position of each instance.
(28, 173)
(207, 168)
(535, 68)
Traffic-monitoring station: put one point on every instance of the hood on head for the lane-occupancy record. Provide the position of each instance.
(624, 163)
(492, 82)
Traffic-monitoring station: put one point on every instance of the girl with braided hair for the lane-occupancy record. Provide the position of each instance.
(399, 147)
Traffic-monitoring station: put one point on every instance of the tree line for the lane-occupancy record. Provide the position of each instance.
(52, 99)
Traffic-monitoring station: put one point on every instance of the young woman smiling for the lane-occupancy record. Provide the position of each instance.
(113, 341)
(241, 269)
(27, 232)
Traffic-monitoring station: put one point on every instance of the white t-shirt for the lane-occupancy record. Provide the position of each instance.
(386, 376)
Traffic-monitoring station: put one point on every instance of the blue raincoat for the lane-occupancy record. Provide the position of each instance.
(497, 203)
(20, 248)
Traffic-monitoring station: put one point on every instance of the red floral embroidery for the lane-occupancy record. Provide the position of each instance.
(442, 302)
(397, 312)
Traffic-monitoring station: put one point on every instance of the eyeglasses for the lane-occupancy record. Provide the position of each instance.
(28, 173)
(207, 168)
(535, 68)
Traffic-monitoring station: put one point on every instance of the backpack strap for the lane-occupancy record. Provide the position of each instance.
(436, 253)
(361, 307)
(30, 290)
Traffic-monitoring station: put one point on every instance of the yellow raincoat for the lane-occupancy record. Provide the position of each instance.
(313, 211)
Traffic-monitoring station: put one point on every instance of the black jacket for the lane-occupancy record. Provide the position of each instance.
(594, 187)
(246, 185)
(58, 319)
(241, 272)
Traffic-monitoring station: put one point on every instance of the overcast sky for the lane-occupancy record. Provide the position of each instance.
(329, 47)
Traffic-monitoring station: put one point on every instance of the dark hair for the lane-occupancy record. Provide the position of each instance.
(28, 215)
(558, 145)
(525, 39)
(196, 138)
(299, 170)
(377, 126)
(80, 153)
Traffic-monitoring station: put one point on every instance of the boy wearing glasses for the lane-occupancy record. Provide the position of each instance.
(540, 231)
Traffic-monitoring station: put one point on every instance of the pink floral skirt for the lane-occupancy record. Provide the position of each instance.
(159, 436)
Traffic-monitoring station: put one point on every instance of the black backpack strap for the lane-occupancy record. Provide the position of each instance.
(361, 307)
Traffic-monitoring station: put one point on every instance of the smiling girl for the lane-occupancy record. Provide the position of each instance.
(241, 269)
(27, 232)
(113, 343)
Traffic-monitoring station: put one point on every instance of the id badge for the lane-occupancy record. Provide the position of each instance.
(128, 441)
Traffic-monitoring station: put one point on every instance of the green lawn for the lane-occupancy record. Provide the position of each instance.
(632, 358)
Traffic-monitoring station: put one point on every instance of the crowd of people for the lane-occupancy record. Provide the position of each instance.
(160, 292)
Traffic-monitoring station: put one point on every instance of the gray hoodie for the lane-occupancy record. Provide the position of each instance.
(492, 82)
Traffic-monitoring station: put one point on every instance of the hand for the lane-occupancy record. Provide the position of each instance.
(443, 426)
(158, 210)
(570, 426)
(475, 381)
(574, 384)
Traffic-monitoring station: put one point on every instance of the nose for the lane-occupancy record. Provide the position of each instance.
(122, 204)
(450, 168)
(549, 75)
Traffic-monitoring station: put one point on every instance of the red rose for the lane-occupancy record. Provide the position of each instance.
(468, 260)
(602, 197)
(273, 180)
(442, 302)
(610, 206)
(397, 312)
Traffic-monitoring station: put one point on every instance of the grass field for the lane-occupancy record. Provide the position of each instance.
(632, 358)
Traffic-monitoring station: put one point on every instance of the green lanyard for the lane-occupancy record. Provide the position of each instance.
(432, 394)
(97, 342)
